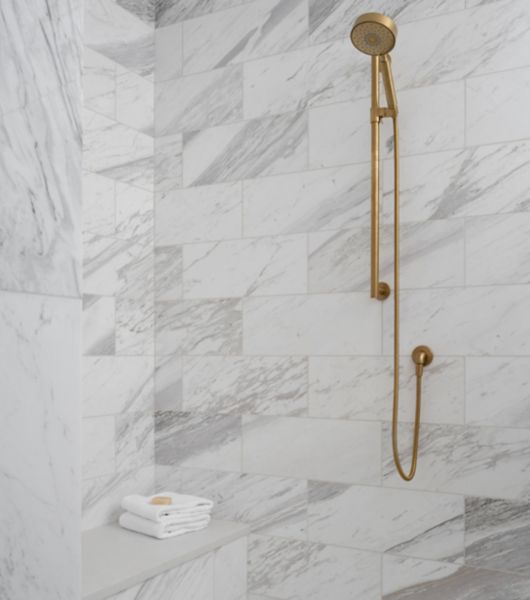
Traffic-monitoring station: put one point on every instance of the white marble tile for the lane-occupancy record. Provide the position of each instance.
(256, 267)
(494, 105)
(465, 321)
(98, 443)
(475, 181)
(135, 101)
(170, 12)
(230, 571)
(99, 83)
(497, 391)
(314, 76)
(145, 9)
(285, 446)
(39, 447)
(117, 151)
(99, 207)
(271, 505)
(316, 324)
(405, 522)
(324, 199)
(120, 35)
(404, 578)
(497, 251)
(168, 163)
(333, 19)
(195, 440)
(303, 570)
(199, 101)
(250, 30)
(40, 48)
(135, 326)
(102, 496)
(257, 385)
(168, 383)
(40, 174)
(168, 52)
(134, 212)
(99, 315)
(246, 149)
(199, 327)
(116, 384)
(168, 272)
(135, 440)
(476, 461)
(497, 534)
(431, 119)
(201, 214)
(347, 387)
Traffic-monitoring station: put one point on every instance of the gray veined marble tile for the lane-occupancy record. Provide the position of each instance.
(250, 30)
(117, 384)
(168, 383)
(246, 149)
(199, 327)
(230, 571)
(145, 9)
(168, 272)
(346, 452)
(99, 83)
(185, 439)
(99, 315)
(360, 388)
(39, 446)
(301, 570)
(492, 462)
(405, 522)
(333, 19)
(497, 535)
(170, 12)
(498, 391)
(41, 186)
(119, 35)
(99, 206)
(135, 440)
(496, 250)
(257, 385)
(315, 324)
(475, 321)
(200, 214)
(135, 326)
(494, 104)
(406, 578)
(199, 101)
(271, 505)
(134, 212)
(102, 496)
(135, 101)
(314, 76)
(261, 267)
(117, 151)
(98, 441)
(476, 181)
(324, 199)
(168, 163)
(168, 52)
(52, 32)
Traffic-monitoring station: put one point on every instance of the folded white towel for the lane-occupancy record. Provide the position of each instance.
(181, 504)
(160, 530)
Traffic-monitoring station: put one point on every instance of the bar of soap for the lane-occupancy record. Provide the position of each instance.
(161, 500)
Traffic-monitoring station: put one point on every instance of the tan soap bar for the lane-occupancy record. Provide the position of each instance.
(161, 500)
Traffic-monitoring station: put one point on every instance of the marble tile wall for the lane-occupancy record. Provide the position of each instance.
(40, 304)
(273, 380)
(118, 255)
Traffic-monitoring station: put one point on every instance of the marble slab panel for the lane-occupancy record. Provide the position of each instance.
(135, 440)
(168, 163)
(168, 272)
(99, 205)
(135, 101)
(99, 83)
(168, 383)
(98, 443)
(168, 51)
(169, 11)
(135, 326)
(99, 317)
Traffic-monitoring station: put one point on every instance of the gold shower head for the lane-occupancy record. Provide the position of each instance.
(374, 34)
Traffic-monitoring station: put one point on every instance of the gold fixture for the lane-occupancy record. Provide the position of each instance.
(375, 34)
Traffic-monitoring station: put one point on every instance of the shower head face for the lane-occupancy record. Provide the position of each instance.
(374, 34)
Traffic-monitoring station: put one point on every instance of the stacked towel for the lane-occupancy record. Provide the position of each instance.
(183, 515)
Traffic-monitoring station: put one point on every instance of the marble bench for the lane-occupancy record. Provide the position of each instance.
(206, 565)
